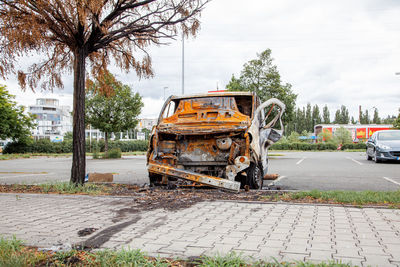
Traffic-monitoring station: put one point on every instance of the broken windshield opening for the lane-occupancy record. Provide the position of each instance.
(212, 103)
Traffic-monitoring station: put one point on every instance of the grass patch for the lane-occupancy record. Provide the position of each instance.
(70, 188)
(275, 155)
(58, 155)
(58, 188)
(354, 150)
(31, 155)
(390, 198)
(14, 254)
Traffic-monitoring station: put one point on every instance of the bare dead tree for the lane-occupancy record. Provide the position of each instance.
(72, 35)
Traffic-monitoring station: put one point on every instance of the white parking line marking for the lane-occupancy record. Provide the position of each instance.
(356, 161)
(297, 163)
(391, 180)
(274, 182)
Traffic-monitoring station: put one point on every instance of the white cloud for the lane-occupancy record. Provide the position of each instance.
(332, 52)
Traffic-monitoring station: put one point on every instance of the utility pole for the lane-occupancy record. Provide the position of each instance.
(183, 63)
(165, 88)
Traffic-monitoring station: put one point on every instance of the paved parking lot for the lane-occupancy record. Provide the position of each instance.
(298, 170)
(334, 171)
(130, 169)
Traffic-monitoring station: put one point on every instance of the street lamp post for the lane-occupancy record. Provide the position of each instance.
(165, 88)
(183, 63)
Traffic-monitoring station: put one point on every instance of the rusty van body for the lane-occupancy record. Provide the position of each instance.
(218, 139)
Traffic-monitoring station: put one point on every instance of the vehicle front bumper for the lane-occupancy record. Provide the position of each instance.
(194, 177)
(388, 154)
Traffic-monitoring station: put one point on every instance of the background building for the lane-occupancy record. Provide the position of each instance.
(52, 120)
(146, 124)
(359, 132)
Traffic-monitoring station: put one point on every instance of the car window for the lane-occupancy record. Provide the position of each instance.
(386, 136)
(169, 110)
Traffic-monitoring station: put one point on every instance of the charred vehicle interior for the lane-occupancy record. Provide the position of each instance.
(219, 139)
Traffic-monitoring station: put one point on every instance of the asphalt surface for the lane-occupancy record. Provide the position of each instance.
(297, 170)
(131, 170)
(334, 171)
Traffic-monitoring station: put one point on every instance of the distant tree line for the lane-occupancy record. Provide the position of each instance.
(261, 76)
(306, 118)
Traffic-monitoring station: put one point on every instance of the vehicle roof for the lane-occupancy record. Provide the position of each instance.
(213, 94)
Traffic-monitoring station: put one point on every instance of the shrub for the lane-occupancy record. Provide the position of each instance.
(303, 146)
(114, 153)
(360, 145)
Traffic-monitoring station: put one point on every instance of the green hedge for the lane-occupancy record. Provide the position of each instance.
(46, 146)
(317, 146)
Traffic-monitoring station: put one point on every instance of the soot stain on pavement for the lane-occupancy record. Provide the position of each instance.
(168, 200)
(153, 199)
(103, 236)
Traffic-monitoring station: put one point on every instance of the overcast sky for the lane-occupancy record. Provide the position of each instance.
(332, 52)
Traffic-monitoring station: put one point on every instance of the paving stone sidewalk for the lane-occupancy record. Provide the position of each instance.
(286, 232)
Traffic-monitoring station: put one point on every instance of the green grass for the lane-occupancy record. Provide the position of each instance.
(14, 254)
(354, 150)
(31, 155)
(69, 188)
(347, 197)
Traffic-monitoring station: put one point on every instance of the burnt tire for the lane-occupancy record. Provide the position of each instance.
(254, 176)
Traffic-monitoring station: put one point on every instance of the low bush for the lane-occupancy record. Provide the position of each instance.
(303, 146)
(114, 153)
(314, 146)
(354, 146)
(46, 146)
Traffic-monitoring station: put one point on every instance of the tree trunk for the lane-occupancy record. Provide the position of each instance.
(106, 144)
(78, 144)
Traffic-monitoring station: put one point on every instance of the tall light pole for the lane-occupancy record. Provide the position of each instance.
(165, 88)
(183, 63)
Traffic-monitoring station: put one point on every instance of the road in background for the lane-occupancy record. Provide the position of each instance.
(297, 170)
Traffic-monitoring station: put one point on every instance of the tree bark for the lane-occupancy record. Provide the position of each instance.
(78, 144)
(106, 144)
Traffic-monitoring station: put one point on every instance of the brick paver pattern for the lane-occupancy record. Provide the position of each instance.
(286, 232)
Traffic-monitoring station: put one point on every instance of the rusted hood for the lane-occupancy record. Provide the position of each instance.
(197, 127)
(201, 116)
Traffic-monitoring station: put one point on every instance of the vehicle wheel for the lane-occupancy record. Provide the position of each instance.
(368, 156)
(154, 178)
(376, 158)
(255, 176)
